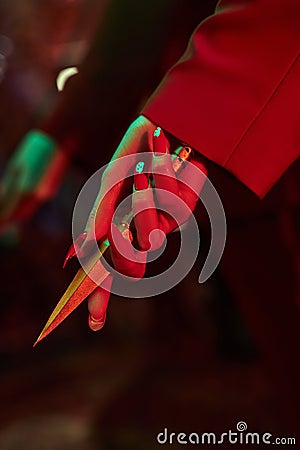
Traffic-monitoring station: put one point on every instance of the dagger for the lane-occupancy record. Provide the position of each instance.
(86, 281)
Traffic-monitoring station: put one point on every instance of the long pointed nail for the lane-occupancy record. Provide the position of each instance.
(141, 180)
(160, 142)
(96, 324)
(74, 248)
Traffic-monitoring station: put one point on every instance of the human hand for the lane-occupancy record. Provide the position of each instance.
(32, 177)
(150, 224)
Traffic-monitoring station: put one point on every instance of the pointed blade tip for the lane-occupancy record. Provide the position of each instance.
(42, 335)
(37, 341)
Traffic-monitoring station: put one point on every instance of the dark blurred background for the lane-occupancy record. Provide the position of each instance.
(198, 358)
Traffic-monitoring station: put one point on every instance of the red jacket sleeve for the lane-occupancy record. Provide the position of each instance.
(235, 94)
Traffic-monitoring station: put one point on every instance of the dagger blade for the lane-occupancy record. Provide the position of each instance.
(82, 285)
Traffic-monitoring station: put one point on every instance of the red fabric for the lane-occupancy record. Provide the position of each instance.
(235, 94)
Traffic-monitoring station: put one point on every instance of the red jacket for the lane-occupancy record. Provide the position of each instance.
(235, 94)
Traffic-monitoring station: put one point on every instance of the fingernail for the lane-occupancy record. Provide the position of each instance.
(140, 180)
(181, 157)
(160, 142)
(74, 248)
(96, 324)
